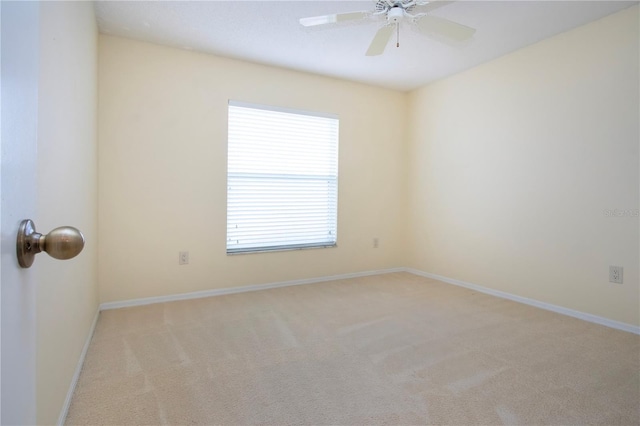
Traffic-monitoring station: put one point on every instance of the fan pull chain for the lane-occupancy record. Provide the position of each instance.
(397, 35)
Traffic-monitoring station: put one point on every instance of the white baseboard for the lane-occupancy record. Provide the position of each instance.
(76, 375)
(241, 289)
(532, 302)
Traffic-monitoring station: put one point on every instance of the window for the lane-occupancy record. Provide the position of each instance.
(282, 179)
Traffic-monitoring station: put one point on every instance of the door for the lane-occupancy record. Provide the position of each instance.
(19, 41)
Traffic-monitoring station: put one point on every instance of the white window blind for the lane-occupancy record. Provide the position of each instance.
(282, 179)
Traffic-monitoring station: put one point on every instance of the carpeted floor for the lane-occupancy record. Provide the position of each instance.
(388, 349)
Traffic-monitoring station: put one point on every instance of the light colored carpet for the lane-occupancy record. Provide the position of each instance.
(388, 349)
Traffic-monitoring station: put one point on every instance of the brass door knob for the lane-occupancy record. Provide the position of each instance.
(61, 243)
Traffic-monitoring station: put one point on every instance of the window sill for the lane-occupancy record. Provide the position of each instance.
(279, 249)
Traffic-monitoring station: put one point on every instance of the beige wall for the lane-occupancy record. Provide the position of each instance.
(502, 175)
(67, 298)
(162, 171)
(513, 164)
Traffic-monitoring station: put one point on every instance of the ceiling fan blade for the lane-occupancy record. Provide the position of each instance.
(434, 25)
(380, 40)
(332, 19)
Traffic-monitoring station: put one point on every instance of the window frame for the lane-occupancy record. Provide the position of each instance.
(332, 194)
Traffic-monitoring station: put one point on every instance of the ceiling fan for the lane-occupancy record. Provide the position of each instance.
(395, 12)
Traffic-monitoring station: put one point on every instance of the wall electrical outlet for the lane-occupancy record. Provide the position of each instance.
(375, 242)
(615, 274)
(183, 258)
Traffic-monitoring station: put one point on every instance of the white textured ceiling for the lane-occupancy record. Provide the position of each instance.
(268, 32)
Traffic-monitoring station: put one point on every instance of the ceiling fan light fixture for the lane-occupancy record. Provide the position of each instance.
(395, 15)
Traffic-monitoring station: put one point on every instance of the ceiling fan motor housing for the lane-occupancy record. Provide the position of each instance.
(395, 15)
